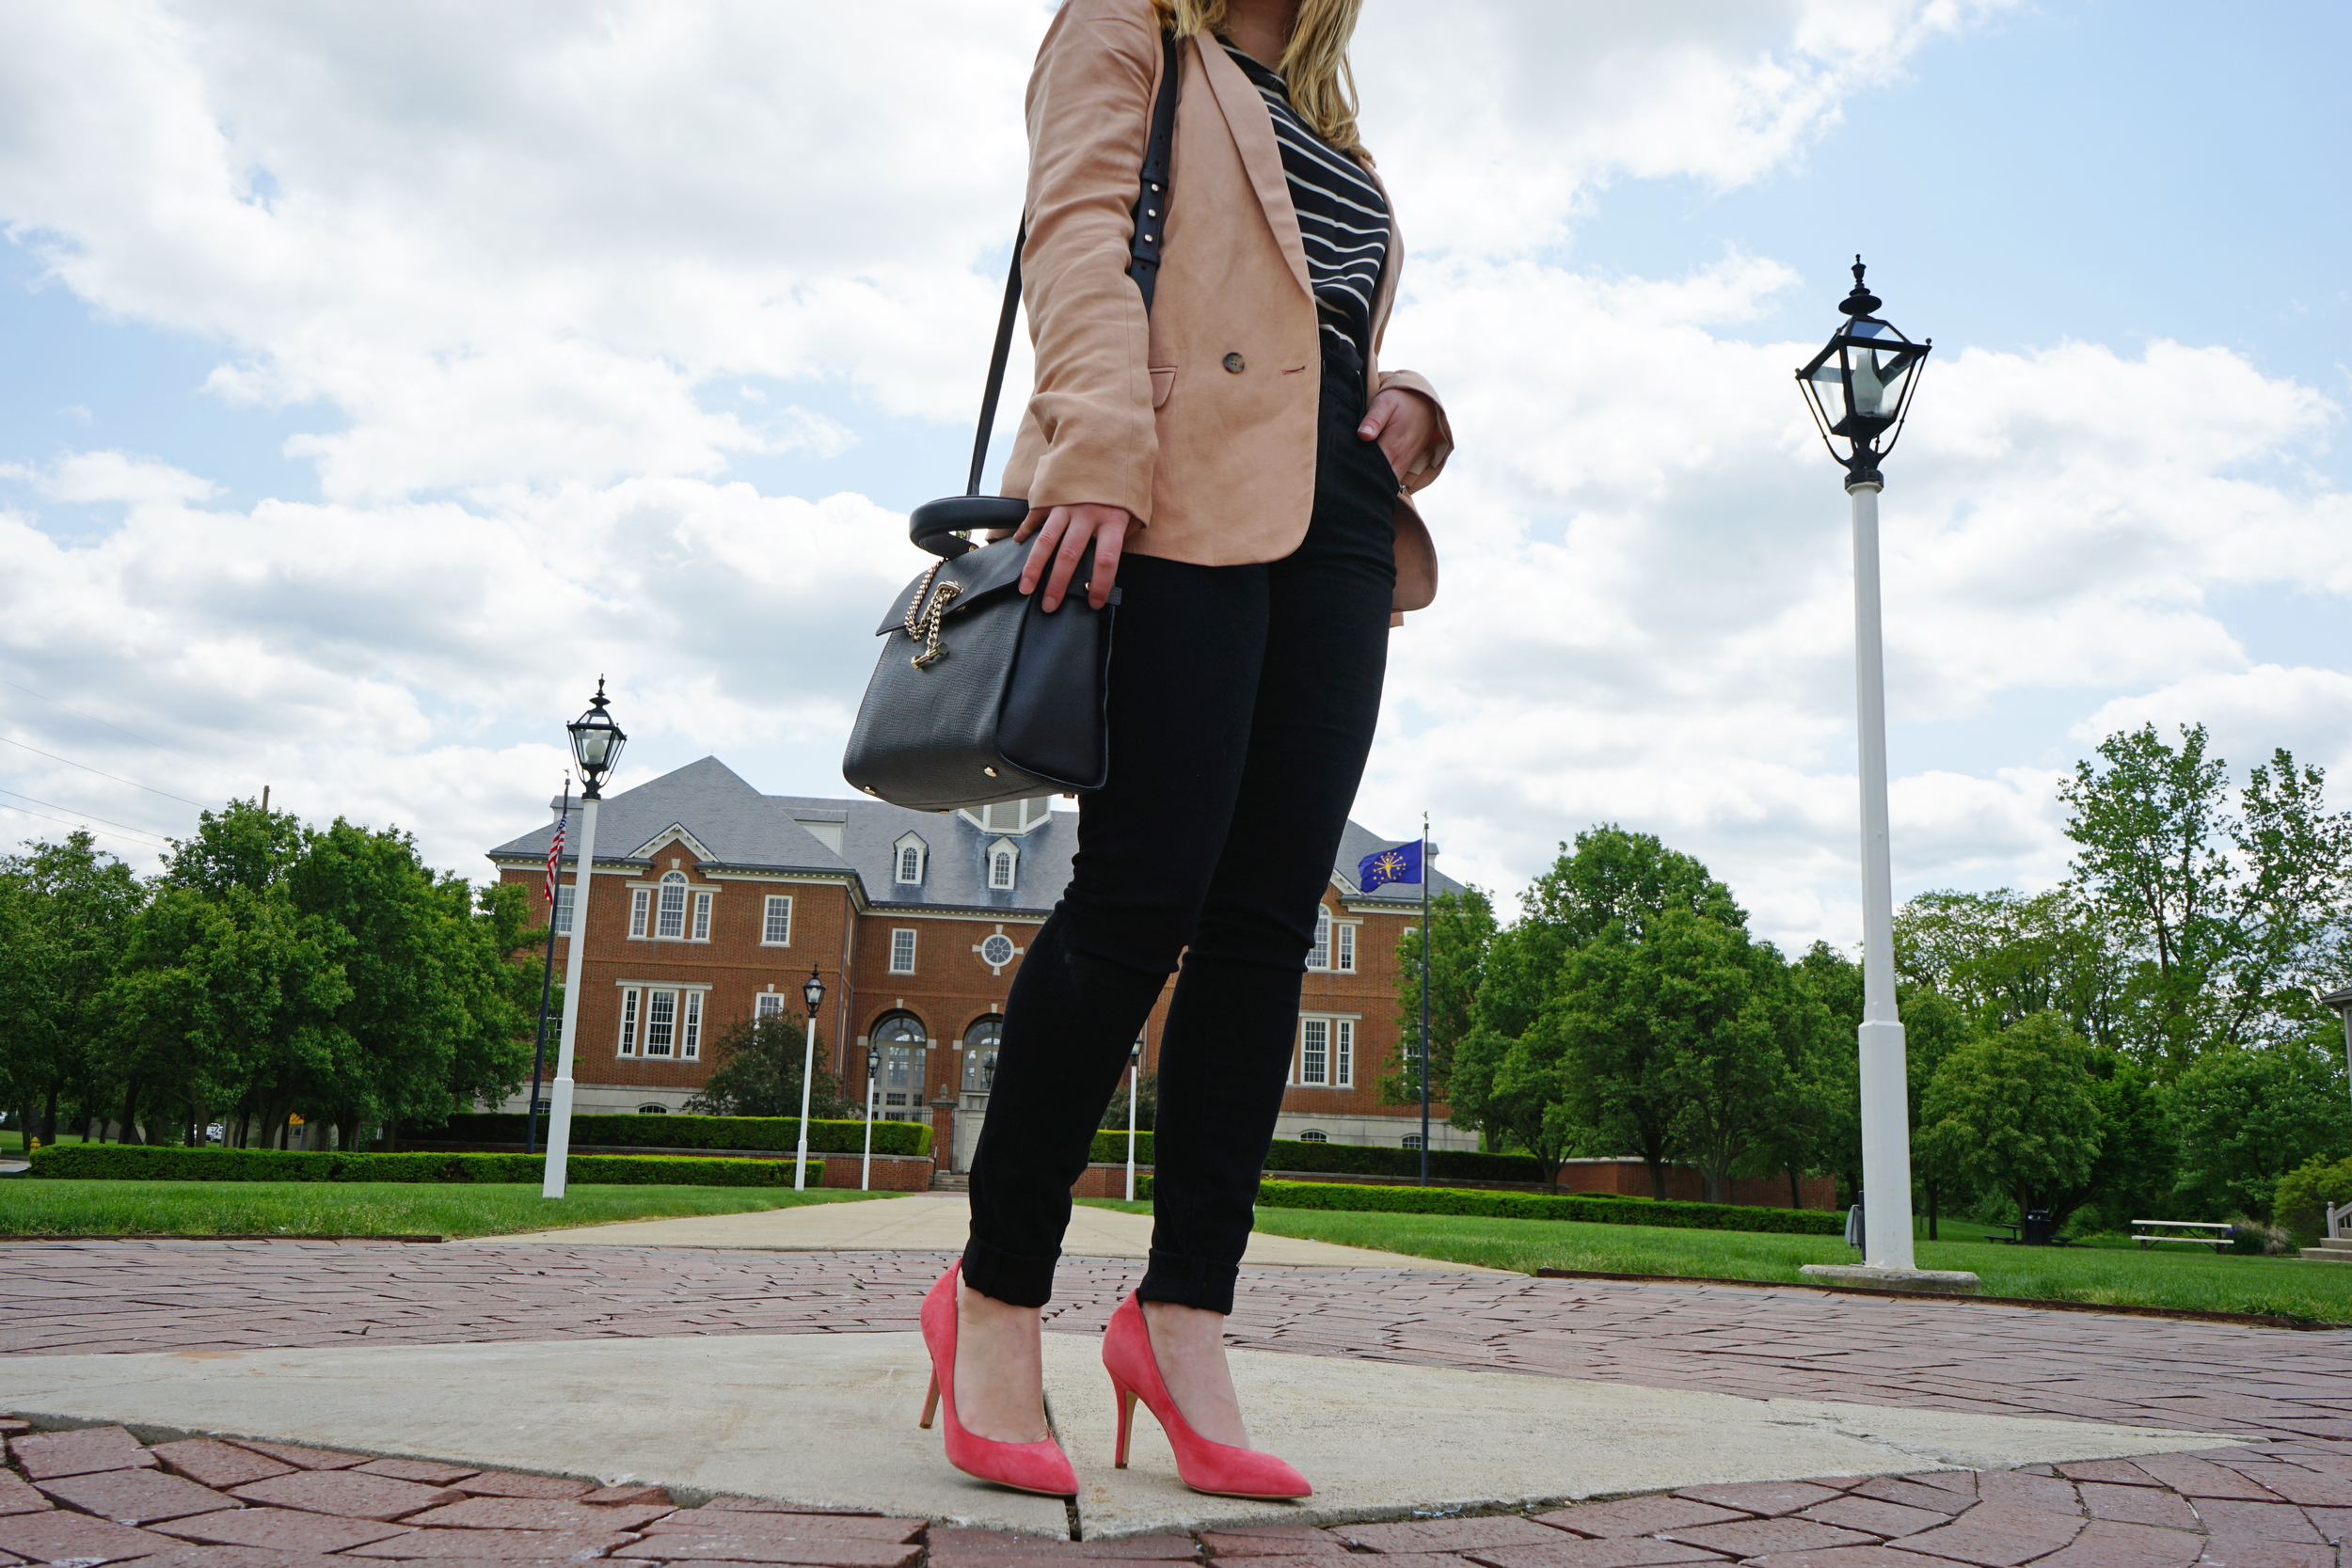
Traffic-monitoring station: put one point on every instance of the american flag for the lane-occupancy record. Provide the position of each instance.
(555, 850)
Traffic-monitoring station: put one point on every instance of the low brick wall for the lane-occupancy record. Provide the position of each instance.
(893, 1173)
(1105, 1180)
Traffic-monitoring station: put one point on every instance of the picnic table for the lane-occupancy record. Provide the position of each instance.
(2144, 1232)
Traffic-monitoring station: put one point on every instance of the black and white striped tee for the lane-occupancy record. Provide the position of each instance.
(1342, 219)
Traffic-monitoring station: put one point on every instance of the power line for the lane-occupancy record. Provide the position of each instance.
(46, 817)
(54, 806)
(95, 719)
(103, 774)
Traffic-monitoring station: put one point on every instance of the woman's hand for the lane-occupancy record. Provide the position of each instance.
(1405, 423)
(1063, 536)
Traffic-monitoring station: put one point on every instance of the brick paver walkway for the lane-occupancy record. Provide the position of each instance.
(2286, 1504)
(95, 1495)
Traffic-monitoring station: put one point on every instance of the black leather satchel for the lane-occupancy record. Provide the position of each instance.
(980, 694)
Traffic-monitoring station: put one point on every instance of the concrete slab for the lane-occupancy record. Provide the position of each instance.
(937, 1222)
(819, 1418)
(1381, 1440)
(829, 1419)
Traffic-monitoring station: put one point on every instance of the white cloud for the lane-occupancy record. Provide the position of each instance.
(546, 273)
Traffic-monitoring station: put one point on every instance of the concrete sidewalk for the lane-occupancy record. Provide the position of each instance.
(829, 1420)
(936, 1222)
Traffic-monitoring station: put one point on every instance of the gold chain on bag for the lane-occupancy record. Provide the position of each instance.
(923, 615)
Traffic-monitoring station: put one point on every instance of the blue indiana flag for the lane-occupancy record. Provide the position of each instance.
(1400, 865)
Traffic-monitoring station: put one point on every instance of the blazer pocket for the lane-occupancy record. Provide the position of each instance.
(1163, 382)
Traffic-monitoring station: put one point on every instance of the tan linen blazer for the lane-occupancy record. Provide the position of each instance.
(1201, 417)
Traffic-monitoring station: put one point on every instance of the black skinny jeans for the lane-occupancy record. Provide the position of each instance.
(1242, 705)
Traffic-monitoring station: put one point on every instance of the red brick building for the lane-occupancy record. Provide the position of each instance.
(712, 902)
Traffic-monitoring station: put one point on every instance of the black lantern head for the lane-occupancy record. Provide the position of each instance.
(596, 743)
(1859, 387)
(814, 990)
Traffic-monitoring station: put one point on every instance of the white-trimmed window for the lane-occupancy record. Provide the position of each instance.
(640, 909)
(1412, 1140)
(668, 921)
(690, 1027)
(660, 1022)
(566, 897)
(1314, 1135)
(631, 998)
(908, 857)
(1343, 946)
(903, 951)
(702, 916)
(1314, 1051)
(1000, 867)
(766, 1005)
(1343, 1050)
(1319, 956)
(775, 924)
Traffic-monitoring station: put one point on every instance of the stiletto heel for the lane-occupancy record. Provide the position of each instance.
(1219, 1469)
(1126, 1422)
(1041, 1467)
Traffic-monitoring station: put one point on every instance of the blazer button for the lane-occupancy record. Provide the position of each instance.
(1235, 363)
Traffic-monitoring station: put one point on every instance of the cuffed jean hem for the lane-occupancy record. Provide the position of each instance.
(1180, 1281)
(1008, 1276)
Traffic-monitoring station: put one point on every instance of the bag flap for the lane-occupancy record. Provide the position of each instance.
(980, 575)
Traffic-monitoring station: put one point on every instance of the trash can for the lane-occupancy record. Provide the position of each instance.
(2036, 1230)
(1853, 1228)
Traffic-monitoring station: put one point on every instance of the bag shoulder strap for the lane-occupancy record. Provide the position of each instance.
(1143, 251)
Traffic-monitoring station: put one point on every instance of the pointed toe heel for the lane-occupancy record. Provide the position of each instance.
(1218, 1469)
(1041, 1467)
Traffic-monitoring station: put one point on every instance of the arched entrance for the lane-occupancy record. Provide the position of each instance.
(901, 1039)
(983, 1037)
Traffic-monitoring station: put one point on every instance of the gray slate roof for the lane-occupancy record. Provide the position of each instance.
(741, 828)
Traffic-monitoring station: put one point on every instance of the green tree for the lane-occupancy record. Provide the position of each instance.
(2017, 1111)
(756, 1072)
(1509, 1080)
(2248, 1115)
(1147, 1105)
(1825, 1132)
(1934, 1026)
(2003, 956)
(1461, 929)
(2139, 1152)
(74, 912)
(2306, 1192)
(1675, 1034)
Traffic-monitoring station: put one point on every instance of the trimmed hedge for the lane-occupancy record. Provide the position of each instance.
(1543, 1206)
(1461, 1164)
(682, 1131)
(140, 1162)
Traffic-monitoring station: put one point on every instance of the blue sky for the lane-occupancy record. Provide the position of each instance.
(638, 386)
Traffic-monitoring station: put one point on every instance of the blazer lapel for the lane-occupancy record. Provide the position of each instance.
(1245, 116)
(1385, 295)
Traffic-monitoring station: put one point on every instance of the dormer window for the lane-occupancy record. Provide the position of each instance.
(1010, 816)
(910, 854)
(1004, 861)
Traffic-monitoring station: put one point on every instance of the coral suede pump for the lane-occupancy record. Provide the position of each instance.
(1040, 1466)
(1217, 1469)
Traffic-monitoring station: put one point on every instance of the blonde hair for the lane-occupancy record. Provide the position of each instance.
(1314, 61)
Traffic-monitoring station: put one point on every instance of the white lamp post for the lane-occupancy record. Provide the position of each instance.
(813, 990)
(1859, 389)
(865, 1173)
(1135, 1084)
(596, 743)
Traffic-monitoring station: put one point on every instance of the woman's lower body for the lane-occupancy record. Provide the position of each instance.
(1243, 701)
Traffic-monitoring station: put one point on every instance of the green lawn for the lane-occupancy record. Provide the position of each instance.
(2112, 1273)
(361, 1208)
